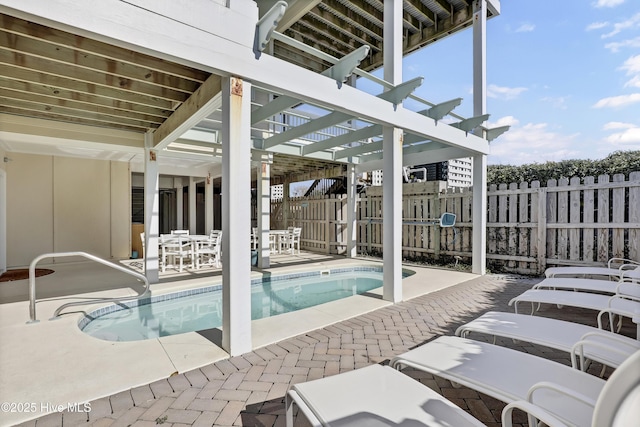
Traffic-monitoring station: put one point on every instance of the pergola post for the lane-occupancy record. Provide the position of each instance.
(352, 195)
(263, 194)
(192, 205)
(208, 204)
(179, 186)
(236, 216)
(479, 210)
(151, 211)
(286, 194)
(392, 161)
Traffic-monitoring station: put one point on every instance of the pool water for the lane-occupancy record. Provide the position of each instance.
(203, 310)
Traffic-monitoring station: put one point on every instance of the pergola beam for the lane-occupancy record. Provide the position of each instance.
(203, 102)
(336, 141)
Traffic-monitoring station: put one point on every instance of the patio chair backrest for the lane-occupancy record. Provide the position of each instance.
(619, 402)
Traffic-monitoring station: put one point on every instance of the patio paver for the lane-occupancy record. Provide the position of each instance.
(249, 390)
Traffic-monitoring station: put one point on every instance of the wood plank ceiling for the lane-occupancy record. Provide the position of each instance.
(51, 74)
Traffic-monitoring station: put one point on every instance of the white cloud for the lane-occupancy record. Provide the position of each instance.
(531, 143)
(607, 3)
(503, 92)
(618, 125)
(626, 139)
(597, 26)
(634, 82)
(525, 28)
(559, 102)
(618, 101)
(616, 46)
(632, 22)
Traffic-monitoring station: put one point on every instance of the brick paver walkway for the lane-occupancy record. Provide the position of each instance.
(249, 390)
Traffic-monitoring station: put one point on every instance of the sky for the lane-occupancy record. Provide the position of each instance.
(564, 74)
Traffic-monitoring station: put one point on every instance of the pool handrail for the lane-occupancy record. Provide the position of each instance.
(56, 313)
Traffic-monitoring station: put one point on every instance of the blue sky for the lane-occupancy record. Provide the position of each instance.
(565, 74)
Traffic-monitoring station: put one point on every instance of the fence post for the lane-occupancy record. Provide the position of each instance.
(541, 242)
(327, 227)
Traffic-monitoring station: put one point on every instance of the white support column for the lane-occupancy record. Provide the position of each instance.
(192, 205)
(208, 204)
(479, 212)
(179, 186)
(352, 196)
(263, 187)
(236, 217)
(392, 161)
(286, 194)
(151, 211)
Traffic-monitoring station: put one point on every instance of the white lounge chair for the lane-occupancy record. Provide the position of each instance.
(588, 285)
(615, 268)
(378, 395)
(581, 341)
(373, 396)
(618, 404)
(510, 375)
(625, 303)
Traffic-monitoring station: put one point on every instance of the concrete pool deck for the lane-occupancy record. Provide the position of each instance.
(52, 362)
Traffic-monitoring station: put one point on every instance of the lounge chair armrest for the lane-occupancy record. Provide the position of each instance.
(622, 261)
(560, 390)
(533, 411)
(578, 350)
(610, 311)
(618, 339)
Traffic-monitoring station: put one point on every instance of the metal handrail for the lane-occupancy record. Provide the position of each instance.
(32, 283)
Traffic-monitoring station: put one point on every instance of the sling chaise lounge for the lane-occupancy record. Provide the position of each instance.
(626, 303)
(582, 341)
(380, 396)
(509, 375)
(588, 285)
(616, 268)
(373, 396)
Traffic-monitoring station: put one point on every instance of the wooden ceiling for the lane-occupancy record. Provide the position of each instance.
(338, 27)
(50, 74)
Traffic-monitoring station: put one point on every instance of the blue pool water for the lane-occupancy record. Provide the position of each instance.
(179, 313)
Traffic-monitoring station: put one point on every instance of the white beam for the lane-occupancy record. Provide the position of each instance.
(236, 217)
(409, 158)
(179, 186)
(213, 50)
(151, 211)
(392, 162)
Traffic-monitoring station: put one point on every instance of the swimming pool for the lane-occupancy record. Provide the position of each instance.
(199, 309)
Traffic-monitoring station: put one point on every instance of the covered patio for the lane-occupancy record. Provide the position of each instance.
(242, 85)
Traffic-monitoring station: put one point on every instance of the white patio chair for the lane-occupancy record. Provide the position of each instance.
(177, 248)
(625, 303)
(254, 238)
(618, 403)
(374, 395)
(209, 251)
(581, 341)
(589, 285)
(615, 269)
(510, 375)
(292, 239)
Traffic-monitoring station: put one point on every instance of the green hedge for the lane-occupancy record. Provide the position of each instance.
(623, 162)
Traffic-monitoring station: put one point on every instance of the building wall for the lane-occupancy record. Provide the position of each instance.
(59, 204)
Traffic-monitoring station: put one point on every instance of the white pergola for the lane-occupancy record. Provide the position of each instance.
(230, 42)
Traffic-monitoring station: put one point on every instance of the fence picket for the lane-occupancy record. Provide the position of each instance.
(528, 226)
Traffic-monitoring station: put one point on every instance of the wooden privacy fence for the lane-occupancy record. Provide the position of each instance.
(529, 227)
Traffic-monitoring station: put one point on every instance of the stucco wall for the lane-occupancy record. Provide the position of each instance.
(58, 204)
